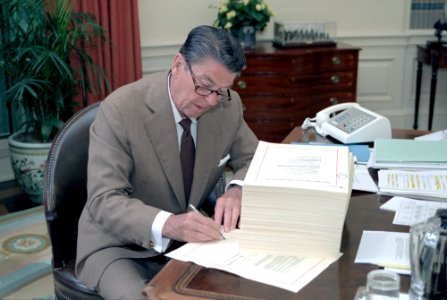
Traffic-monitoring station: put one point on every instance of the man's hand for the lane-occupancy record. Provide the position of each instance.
(191, 227)
(228, 209)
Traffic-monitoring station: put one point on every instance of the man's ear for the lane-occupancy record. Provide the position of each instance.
(177, 64)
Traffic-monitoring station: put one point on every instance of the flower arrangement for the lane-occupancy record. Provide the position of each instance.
(232, 15)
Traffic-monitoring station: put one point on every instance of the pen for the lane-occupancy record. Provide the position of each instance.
(196, 210)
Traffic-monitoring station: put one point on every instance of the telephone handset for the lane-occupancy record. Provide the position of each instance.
(349, 123)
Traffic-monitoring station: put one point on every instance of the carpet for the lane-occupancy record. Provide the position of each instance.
(25, 249)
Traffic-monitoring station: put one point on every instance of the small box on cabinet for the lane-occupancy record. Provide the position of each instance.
(304, 34)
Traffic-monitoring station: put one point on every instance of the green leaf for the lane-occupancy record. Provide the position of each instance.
(45, 56)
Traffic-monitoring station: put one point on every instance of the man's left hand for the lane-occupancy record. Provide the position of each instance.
(228, 209)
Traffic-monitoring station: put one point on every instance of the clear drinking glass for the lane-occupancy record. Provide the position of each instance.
(382, 284)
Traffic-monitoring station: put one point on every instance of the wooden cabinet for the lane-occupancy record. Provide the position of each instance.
(281, 87)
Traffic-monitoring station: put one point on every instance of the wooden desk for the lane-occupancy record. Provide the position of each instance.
(182, 280)
(436, 56)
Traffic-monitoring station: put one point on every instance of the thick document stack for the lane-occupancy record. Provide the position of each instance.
(295, 199)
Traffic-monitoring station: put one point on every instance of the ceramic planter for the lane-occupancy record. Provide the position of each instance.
(28, 162)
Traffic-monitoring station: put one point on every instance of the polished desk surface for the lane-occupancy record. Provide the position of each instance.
(184, 280)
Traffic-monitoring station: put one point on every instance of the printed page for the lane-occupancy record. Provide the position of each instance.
(289, 165)
(385, 249)
(413, 211)
(424, 183)
(288, 272)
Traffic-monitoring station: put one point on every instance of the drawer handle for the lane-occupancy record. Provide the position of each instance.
(336, 60)
(241, 84)
(333, 100)
(335, 79)
(244, 107)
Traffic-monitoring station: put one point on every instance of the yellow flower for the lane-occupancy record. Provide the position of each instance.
(231, 14)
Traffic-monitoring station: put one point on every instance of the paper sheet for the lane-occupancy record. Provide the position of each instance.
(362, 181)
(385, 249)
(300, 166)
(316, 166)
(440, 135)
(392, 204)
(412, 211)
(288, 272)
(430, 184)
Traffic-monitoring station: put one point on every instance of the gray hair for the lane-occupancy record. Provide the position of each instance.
(218, 44)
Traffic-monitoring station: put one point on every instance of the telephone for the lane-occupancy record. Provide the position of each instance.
(352, 124)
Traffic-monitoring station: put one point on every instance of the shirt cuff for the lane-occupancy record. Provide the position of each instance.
(160, 244)
(239, 183)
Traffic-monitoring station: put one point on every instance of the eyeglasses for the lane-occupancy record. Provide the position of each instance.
(222, 95)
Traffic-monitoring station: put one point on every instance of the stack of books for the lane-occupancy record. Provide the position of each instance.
(295, 199)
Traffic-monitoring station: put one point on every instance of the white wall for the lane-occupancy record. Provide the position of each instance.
(380, 27)
(167, 22)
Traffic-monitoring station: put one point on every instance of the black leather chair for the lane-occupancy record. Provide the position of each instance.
(64, 196)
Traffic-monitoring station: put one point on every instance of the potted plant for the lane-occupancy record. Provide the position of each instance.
(243, 18)
(43, 56)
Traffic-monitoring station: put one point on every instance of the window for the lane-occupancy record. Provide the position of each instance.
(425, 13)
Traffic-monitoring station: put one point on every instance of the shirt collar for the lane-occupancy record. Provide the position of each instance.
(177, 116)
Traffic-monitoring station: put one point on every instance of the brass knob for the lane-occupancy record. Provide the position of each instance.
(336, 60)
(292, 79)
(333, 100)
(241, 84)
(335, 79)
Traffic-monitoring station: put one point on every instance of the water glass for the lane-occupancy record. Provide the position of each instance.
(382, 284)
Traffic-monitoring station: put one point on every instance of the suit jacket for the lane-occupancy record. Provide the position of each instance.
(134, 169)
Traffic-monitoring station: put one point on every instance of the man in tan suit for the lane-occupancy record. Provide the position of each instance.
(137, 204)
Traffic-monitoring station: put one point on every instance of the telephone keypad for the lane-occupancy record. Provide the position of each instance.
(351, 119)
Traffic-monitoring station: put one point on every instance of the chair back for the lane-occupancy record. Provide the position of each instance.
(65, 184)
